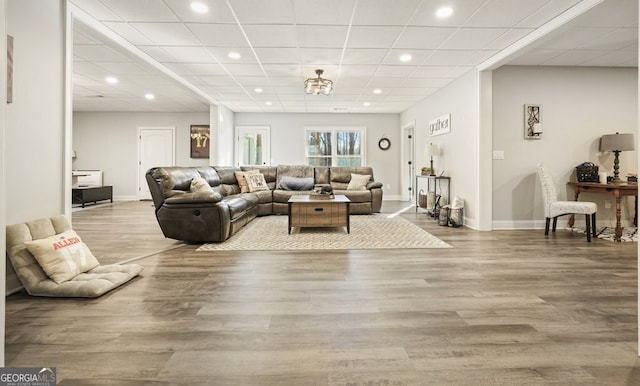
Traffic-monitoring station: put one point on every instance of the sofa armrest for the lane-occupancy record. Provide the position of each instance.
(194, 198)
(374, 184)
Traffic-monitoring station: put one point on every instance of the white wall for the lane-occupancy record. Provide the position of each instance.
(34, 122)
(459, 147)
(288, 141)
(107, 141)
(224, 140)
(3, 186)
(579, 105)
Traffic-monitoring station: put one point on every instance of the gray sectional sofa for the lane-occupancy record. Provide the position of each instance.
(216, 214)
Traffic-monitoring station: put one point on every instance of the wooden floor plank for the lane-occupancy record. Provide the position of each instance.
(498, 308)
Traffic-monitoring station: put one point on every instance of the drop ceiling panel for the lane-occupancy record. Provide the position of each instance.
(417, 56)
(505, 40)
(219, 12)
(472, 38)
(326, 12)
(328, 36)
(384, 12)
(272, 35)
(504, 13)
(322, 56)
(278, 55)
(423, 37)
(167, 34)
(547, 12)
(372, 37)
(463, 9)
(364, 55)
(141, 10)
(129, 33)
(205, 69)
(97, 9)
(263, 12)
(615, 58)
(218, 35)
(611, 13)
(157, 53)
(190, 54)
(98, 53)
(394, 71)
(222, 54)
(458, 57)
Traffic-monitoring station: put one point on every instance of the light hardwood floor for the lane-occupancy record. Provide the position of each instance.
(499, 308)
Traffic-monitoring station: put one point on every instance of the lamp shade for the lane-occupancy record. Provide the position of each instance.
(432, 150)
(617, 142)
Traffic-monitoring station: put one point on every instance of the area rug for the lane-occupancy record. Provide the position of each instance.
(629, 234)
(375, 231)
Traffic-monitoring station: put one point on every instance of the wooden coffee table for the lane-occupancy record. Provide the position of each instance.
(306, 211)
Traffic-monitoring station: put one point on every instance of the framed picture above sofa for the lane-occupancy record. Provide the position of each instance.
(200, 137)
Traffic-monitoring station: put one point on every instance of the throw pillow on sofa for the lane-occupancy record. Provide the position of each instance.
(63, 256)
(199, 184)
(242, 180)
(296, 183)
(256, 182)
(358, 182)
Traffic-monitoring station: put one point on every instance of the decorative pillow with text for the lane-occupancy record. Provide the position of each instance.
(256, 182)
(242, 180)
(63, 256)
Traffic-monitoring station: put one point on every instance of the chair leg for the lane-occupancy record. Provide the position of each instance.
(593, 224)
(546, 226)
(588, 227)
(555, 222)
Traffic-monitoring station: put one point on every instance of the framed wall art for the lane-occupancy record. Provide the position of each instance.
(532, 121)
(200, 139)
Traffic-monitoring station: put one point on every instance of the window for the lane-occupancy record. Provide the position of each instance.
(334, 146)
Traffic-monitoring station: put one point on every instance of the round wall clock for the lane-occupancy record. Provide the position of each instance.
(384, 143)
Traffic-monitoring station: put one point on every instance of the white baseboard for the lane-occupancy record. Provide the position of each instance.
(523, 224)
(124, 198)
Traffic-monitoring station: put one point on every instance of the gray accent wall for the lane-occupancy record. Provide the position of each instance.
(579, 105)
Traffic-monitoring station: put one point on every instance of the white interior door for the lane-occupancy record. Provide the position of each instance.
(155, 148)
(253, 145)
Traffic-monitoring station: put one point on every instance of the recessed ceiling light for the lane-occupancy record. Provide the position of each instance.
(405, 58)
(199, 7)
(377, 91)
(149, 96)
(111, 79)
(234, 55)
(258, 90)
(444, 12)
(268, 103)
(366, 104)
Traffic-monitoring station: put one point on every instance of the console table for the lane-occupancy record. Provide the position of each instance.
(82, 195)
(616, 190)
(434, 185)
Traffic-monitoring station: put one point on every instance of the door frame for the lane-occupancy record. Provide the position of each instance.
(141, 173)
(408, 155)
(236, 135)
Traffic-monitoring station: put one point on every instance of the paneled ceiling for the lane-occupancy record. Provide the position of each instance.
(358, 43)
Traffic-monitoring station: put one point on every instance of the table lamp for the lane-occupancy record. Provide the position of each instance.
(616, 143)
(432, 149)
